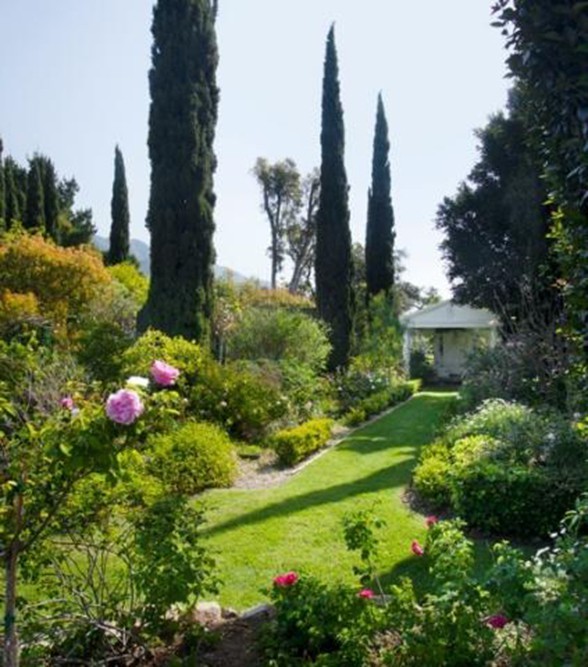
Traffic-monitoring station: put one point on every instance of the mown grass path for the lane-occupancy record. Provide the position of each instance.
(257, 534)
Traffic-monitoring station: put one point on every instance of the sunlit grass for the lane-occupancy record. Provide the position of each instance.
(257, 534)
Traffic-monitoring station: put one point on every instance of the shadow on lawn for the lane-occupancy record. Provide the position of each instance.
(401, 429)
(386, 478)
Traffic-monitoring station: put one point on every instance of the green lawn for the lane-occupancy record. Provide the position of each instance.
(257, 534)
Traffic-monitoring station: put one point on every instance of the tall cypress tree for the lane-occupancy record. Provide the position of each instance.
(34, 217)
(50, 198)
(13, 209)
(119, 207)
(379, 244)
(333, 268)
(48, 177)
(182, 120)
(3, 222)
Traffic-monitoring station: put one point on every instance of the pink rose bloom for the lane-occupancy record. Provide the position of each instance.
(67, 403)
(124, 406)
(285, 580)
(496, 621)
(164, 374)
(431, 520)
(366, 593)
(417, 549)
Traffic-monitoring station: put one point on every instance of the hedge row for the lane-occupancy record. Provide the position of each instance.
(378, 402)
(294, 444)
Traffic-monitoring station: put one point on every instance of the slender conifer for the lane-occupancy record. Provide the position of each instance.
(333, 267)
(34, 217)
(119, 207)
(379, 244)
(182, 121)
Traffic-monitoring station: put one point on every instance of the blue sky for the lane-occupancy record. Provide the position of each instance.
(73, 80)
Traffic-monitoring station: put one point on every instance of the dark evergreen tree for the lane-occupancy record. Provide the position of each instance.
(119, 207)
(496, 227)
(34, 217)
(15, 182)
(3, 223)
(76, 226)
(50, 198)
(48, 177)
(182, 120)
(379, 244)
(333, 262)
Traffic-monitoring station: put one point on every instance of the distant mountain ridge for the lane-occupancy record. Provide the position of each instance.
(140, 250)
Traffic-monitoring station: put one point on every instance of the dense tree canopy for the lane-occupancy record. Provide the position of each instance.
(333, 262)
(379, 244)
(548, 55)
(495, 226)
(290, 203)
(38, 199)
(280, 189)
(301, 235)
(182, 121)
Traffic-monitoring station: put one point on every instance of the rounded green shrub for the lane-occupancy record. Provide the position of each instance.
(294, 444)
(431, 477)
(244, 403)
(510, 500)
(279, 334)
(194, 457)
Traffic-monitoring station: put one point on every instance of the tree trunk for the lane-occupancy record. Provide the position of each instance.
(11, 648)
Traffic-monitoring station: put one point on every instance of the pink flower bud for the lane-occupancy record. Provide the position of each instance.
(285, 580)
(366, 593)
(431, 520)
(417, 549)
(496, 621)
(67, 403)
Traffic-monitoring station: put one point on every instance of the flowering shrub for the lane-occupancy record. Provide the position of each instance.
(70, 477)
(318, 623)
(188, 357)
(521, 612)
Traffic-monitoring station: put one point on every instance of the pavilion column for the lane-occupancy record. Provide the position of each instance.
(407, 344)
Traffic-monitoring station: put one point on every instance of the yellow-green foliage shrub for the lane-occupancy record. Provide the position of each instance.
(184, 355)
(128, 275)
(64, 281)
(194, 457)
(431, 477)
(18, 313)
(294, 444)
